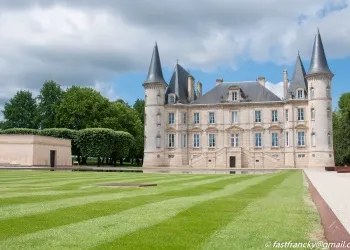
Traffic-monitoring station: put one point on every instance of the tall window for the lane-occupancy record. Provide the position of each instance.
(184, 117)
(313, 139)
(258, 140)
(287, 139)
(158, 141)
(211, 140)
(171, 140)
(196, 118)
(257, 116)
(274, 139)
(312, 114)
(211, 117)
(234, 117)
(171, 118)
(300, 94)
(234, 140)
(328, 92)
(274, 116)
(329, 140)
(329, 113)
(184, 140)
(171, 99)
(196, 140)
(312, 92)
(234, 96)
(287, 115)
(301, 138)
(300, 114)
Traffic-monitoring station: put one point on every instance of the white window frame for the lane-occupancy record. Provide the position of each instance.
(274, 139)
(171, 140)
(196, 118)
(234, 96)
(255, 116)
(171, 118)
(301, 139)
(274, 114)
(312, 92)
(287, 138)
(302, 94)
(234, 117)
(301, 115)
(196, 140)
(211, 117)
(184, 117)
(211, 140)
(171, 99)
(235, 140)
(313, 139)
(258, 140)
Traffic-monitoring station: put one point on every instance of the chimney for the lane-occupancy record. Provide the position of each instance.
(285, 83)
(219, 81)
(261, 80)
(199, 89)
(190, 88)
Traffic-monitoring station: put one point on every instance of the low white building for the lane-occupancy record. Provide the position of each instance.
(239, 124)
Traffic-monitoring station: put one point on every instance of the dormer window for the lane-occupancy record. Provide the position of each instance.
(234, 96)
(171, 99)
(300, 94)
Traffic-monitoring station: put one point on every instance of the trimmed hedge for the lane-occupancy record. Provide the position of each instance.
(20, 131)
(64, 133)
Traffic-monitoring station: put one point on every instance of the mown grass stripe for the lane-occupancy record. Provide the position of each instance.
(281, 216)
(192, 226)
(74, 214)
(41, 207)
(21, 198)
(84, 235)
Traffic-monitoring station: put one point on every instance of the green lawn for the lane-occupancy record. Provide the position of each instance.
(68, 210)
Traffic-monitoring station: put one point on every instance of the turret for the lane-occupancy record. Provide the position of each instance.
(155, 86)
(298, 86)
(319, 78)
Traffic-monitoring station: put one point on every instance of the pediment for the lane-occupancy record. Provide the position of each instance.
(234, 127)
(275, 127)
(211, 129)
(301, 126)
(171, 129)
(195, 129)
(258, 127)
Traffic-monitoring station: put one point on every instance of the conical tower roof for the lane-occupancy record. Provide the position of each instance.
(155, 74)
(318, 63)
(298, 80)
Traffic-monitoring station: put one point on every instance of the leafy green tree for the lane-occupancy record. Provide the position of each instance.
(139, 107)
(81, 108)
(49, 99)
(21, 111)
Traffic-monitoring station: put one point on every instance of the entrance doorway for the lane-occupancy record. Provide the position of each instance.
(232, 161)
(52, 158)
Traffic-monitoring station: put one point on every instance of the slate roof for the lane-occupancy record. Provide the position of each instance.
(155, 73)
(178, 85)
(318, 60)
(298, 80)
(250, 91)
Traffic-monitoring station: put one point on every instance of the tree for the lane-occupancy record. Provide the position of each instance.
(21, 111)
(49, 99)
(341, 131)
(81, 108)
(139, 107)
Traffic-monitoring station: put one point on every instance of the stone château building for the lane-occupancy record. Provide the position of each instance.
(239, 124)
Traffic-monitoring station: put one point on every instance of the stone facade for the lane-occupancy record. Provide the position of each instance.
(33, 150)
(235, 131)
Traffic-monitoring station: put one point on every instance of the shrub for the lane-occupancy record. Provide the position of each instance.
(20, 131)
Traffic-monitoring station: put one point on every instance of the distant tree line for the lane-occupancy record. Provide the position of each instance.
(98, 127)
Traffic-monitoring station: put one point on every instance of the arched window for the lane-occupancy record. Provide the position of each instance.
(158, 119)
(158, 140)
(313, 114)
(312, 92)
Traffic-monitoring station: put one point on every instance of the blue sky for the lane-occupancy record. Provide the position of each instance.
(107, 44)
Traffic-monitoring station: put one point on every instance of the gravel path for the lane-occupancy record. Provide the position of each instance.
(335, 190)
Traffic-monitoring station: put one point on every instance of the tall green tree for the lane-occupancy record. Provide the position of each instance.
(49, 100)
(21, 111)
(139, 107)
(81, 108)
